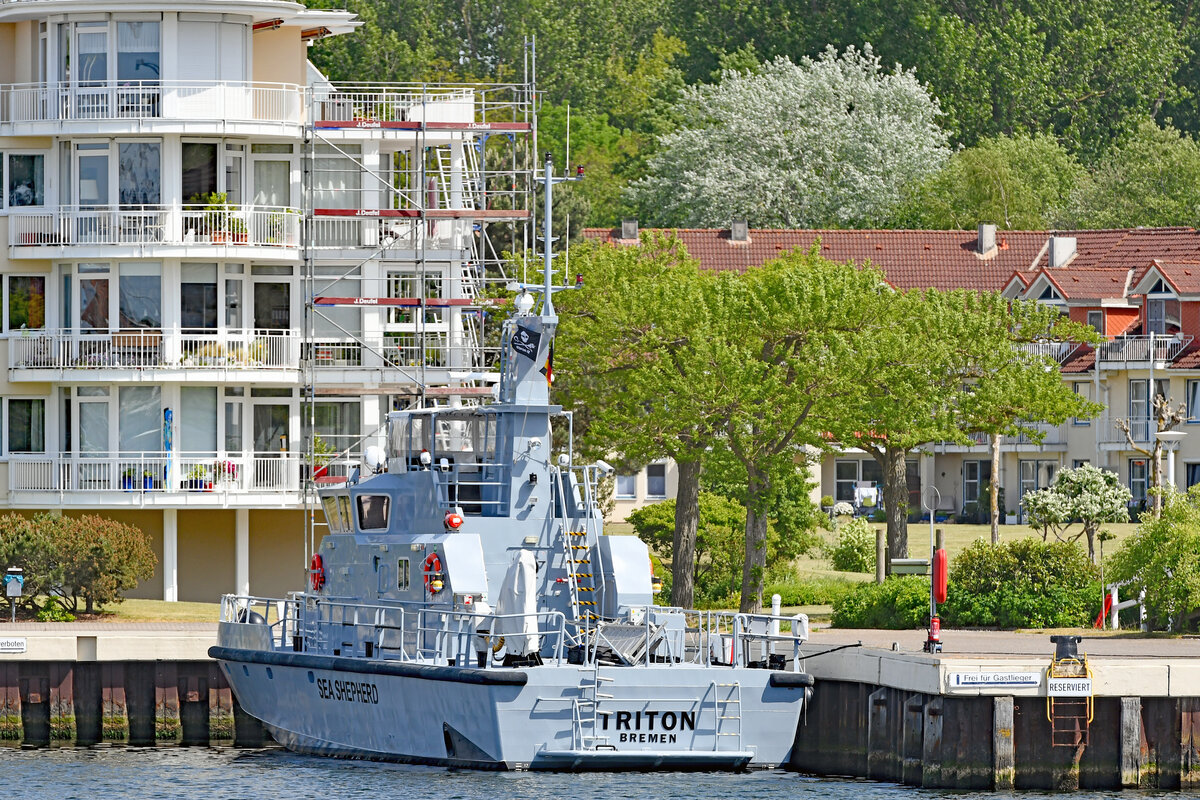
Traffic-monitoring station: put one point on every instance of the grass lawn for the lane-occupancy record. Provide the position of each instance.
(161, 611)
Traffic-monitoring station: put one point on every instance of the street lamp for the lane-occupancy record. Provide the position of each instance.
(1166, 437)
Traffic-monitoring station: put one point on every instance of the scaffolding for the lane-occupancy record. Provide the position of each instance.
(414, 195)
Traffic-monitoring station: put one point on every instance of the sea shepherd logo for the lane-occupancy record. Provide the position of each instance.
(650, 726)
(526, 342)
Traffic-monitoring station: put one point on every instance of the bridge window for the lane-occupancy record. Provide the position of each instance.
(373, 511)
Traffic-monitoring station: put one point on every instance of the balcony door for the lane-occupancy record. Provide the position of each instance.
(271, 421)
(272, 305)
(112, 68)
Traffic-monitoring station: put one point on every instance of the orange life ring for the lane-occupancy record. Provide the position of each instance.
(316, 577)
(432, 568)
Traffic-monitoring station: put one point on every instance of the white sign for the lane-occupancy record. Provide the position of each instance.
(1069, 687)
(12, 644)
(990, 680)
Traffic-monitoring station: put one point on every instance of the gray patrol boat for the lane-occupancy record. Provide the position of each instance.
(466, 609)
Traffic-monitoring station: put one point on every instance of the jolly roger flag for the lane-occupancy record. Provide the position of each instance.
(526, 342)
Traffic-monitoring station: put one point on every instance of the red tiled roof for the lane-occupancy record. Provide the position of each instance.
(1184, 276)
(1081, 360)
(1091, 283)
(947, 259)
(1188, 359)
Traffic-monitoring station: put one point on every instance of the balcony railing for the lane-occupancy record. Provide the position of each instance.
(375, 353)
(224, 101)
(1142, 429)
(1136, 349)
(157, 473)
(1057, 351)
(149, 226)
(142, 349)
(387, 104)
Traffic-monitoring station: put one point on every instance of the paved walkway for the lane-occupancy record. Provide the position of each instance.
(1001, 644)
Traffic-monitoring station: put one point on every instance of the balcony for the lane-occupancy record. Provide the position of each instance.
(1053, 436)
(1136, 350)
(113, 355)
(1055, 351)
(156, 479)
(156, 106)
(1142, 429)
(389, 361)
(190, 231)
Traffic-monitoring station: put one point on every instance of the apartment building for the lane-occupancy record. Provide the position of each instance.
(1139, 287)
(221, 271)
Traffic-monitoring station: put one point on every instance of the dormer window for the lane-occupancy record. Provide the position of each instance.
(1162, 316)
(1049, 295)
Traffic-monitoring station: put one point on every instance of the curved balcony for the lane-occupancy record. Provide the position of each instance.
(129, 354)
(157, 106)
(260, 232)
(156, 479)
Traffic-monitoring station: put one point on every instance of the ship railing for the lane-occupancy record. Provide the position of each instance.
(449, 636)
(733, 639)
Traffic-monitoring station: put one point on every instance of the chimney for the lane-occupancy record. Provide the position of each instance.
(1062, 248)
(629, 229)
(739, 231)
(985, 243)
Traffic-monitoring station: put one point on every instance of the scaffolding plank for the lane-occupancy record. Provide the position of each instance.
(431, 213)
(368, 124)
(404, 302)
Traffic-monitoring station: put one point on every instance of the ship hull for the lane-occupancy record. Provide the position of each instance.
(655, 717)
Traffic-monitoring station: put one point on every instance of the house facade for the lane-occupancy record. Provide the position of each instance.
(221, 271)
(1140, 288)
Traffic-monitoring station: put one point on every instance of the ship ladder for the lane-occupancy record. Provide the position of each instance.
(1070, 717)
(727, 713)
(586, 710)
(581, 579)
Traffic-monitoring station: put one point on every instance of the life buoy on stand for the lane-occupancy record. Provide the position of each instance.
(316, 572)
(432, 570)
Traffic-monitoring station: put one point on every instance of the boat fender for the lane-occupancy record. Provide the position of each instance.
(433, 573)
(316, 572)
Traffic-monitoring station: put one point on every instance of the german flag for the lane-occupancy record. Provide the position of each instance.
(548, 370)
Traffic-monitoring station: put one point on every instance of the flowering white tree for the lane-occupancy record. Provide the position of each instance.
(1087, 494)
(831, 142)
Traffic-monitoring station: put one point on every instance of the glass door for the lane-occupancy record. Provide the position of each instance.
(92, 181)
(92, 100)
(271, 445)
(272, 306)
(94, 424)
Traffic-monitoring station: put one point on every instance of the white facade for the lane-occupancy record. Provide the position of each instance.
(203, 252)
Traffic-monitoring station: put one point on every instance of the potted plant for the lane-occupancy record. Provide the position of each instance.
(1010, 517)
(827, 503)
(147, 480)
(127, 477)
(225, 472)
(197, 479)
(323, 453)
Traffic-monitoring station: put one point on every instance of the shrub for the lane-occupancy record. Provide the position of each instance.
(854, 550)
(69, 559)
(1163, 558)
(899, 603)
(1021, 584)
(54, 611)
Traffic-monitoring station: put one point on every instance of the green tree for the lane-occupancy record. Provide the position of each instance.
(1151, 179)
(717, 561)
(101, 559)
(824, 143)
(634, 361)
(782, 340)
(1162, 558)
(1020, 182)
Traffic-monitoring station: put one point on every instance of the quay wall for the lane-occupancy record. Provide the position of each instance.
(906, 718)
(145, 688)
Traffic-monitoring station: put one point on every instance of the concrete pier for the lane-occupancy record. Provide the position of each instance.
(977, 715)
(118, 683)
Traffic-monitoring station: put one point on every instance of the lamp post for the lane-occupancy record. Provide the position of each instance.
(1167, 437)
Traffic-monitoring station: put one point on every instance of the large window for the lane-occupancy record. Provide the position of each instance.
(1139, 472)
(198, 297)
(976, 475)
(26, 302)
(140, 295)
(139, 419)
(25, 182)
(626, 486)
(656, 480)
(1037, 475)
(26, 426)
(1084, 390)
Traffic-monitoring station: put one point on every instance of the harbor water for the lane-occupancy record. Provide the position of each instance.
(271, 774)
